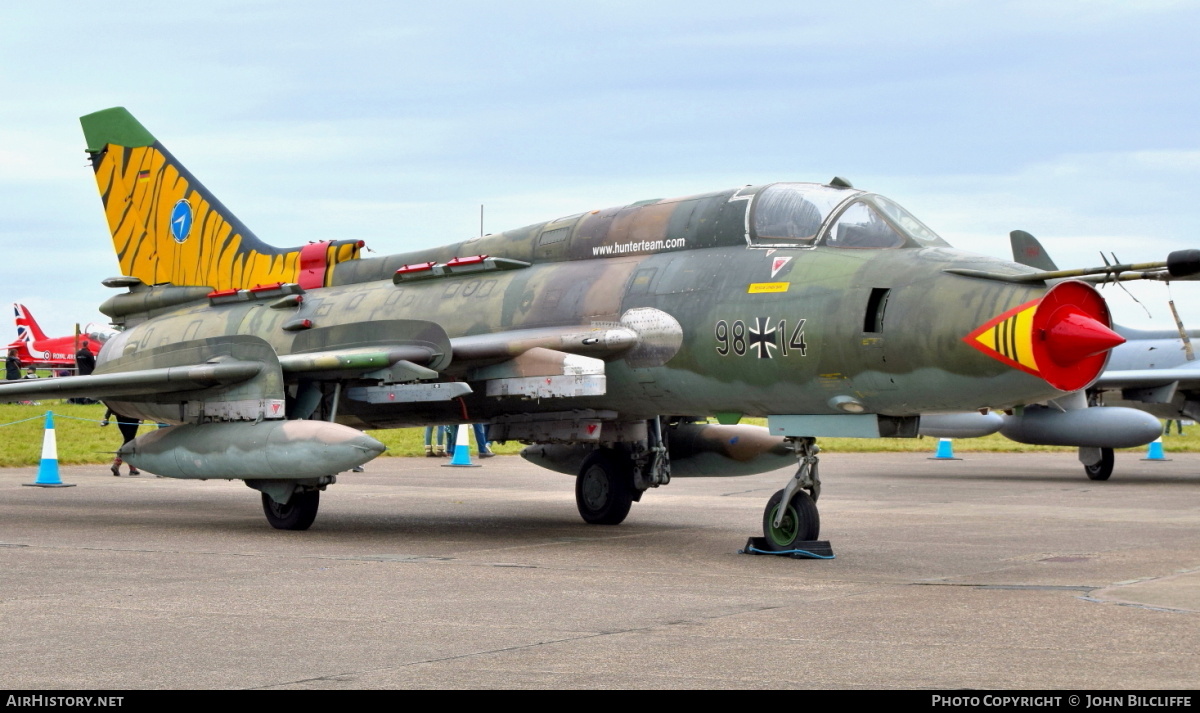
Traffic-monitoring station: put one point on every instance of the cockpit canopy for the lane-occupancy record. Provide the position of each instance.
(98, 333)
(808, 214)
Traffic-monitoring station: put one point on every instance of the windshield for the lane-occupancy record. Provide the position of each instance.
(873, 221)
(794, 212)
(905, 221)
(861, 226)
(98, 333)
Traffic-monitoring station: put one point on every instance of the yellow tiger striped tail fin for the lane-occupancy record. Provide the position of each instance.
(168, 228)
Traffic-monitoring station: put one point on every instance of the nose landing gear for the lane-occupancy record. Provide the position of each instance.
(786, 524)
(791, 514)
(791, 523)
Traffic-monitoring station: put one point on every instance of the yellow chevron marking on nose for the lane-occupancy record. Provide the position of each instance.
(1011, 336)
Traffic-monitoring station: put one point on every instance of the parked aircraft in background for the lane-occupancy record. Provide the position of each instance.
(600, 338)
(1153, 375)
(1155, 372)
(36, 349)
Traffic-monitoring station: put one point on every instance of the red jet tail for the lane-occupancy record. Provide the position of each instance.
(28, 330)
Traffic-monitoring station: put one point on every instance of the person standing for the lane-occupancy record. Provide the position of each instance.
(129, 429)
(429, 438)
(85, 361)
(85, 364)
(481, 439)
(12, 366)
(30, 373)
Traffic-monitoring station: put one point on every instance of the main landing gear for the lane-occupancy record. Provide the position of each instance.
(611, 480)
(297, 513)
(291, 504)
(791, 514)
(1102, 469)
(604, 490)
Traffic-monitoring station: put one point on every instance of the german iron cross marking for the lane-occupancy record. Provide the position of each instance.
(762, 337)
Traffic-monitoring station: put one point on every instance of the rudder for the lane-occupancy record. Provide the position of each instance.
(28, 330)
(168, 228)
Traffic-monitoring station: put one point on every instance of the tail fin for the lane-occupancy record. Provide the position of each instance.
(28, 330)
(167, 227)
(1028, 251)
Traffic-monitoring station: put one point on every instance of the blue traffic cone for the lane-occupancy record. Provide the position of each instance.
(1155, 452)
(47, 476)
(945, 450)
(462, 450)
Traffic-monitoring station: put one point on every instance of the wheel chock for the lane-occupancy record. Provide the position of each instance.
(806, 550)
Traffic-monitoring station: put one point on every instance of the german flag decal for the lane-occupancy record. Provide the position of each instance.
(1009, 338)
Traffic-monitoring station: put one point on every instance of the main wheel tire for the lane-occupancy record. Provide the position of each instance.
(297, 514)
(604, 488)
(800, 521)
(1103, 469)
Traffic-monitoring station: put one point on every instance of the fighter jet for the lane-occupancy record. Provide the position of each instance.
(603, 339)
(35, 348)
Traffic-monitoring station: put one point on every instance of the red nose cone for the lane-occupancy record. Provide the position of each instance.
(1072, 335)
(1064, 337)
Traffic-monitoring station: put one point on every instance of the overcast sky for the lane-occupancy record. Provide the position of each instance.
(392, 122)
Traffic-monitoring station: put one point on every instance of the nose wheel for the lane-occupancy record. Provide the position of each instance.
(799, 521)
(791, 522)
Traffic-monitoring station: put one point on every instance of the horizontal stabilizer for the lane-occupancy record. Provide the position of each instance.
(134, 383)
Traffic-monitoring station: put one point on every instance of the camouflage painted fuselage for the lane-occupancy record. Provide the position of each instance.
(748, 324)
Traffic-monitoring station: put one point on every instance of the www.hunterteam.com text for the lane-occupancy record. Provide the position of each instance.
(639, 246)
